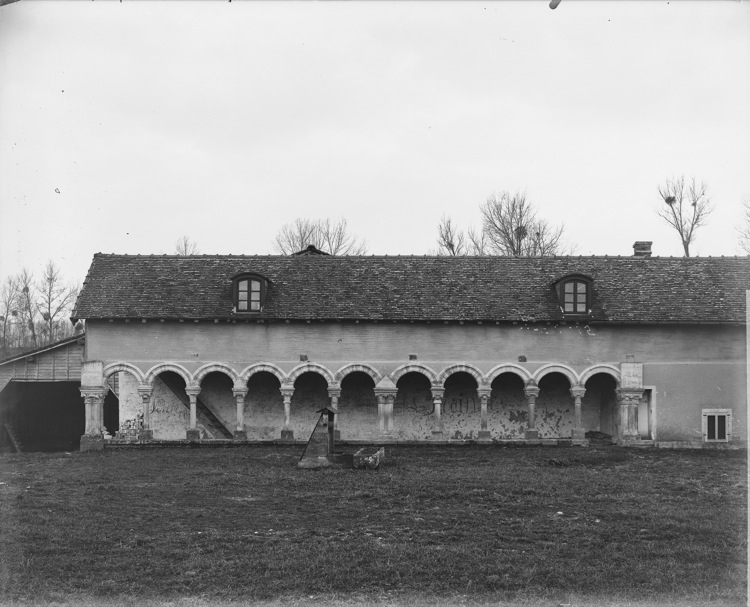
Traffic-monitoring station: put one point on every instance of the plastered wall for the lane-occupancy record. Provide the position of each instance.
(579, 346)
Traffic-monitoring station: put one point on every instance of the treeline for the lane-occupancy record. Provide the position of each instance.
(35, 311)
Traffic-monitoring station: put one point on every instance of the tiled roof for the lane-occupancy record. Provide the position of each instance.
(625, 289)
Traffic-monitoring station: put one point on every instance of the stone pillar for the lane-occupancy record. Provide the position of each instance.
(437, 401)
(579, 432)
(385, 392)
(192, 391)
(145, 391)
(628, 401)
(93, 438)
(385, 412)
(484, 399)
(286, 432)
(532, 392)
(334, 393)
(239, 396)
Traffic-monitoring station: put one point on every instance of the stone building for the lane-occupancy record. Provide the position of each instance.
(648, 350)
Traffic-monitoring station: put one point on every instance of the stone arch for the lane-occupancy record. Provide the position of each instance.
(120, 367)
(362, 367)
(461, 368)
(162, 367)
(250, 370)
(215, 367)
(557, 368)
(413, 368)
(509, 368)
(600, 368)
(313, 368)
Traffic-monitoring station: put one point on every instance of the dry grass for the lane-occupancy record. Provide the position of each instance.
(468, 525)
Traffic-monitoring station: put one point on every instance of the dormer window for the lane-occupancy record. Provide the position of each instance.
(574, 294)
(249, 293)
(575, 297)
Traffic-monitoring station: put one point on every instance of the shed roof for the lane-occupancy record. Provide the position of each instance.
(322, 287)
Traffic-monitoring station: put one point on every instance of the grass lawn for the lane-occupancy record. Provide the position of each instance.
(435, 525)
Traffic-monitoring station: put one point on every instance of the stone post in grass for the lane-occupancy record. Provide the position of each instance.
(532, 392)
(287, 391)
(437, 402)
(145, 391)
(239, 391)
(484, 393)
(579, 432)
(192, 391)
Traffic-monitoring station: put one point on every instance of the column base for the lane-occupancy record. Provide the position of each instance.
(287, 436)
(578, 433)
(146, 435)
(484, 436)
(92, 442)
(193, 435)
(531, 435)
(437, 435)
(239, 435)
(625, 441)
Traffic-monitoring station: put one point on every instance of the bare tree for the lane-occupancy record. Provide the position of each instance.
(511, 227)
(55, 299)
(8, 308)
(743, 229)
(186, 246)
(331, 236)
(27, 309)
(451, 240)
(686, 208)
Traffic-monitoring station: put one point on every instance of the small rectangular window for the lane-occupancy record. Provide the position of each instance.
(717, 425)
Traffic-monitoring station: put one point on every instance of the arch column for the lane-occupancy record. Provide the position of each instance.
(145, 391)
(437, 402)
(532, 392)
(334, 393)
(93, 437)
(628, 400)
(193, 390)
(239, 393)
(579, 432)
(287, 391)
(484, 393)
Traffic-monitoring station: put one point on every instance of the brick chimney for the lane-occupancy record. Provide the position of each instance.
(642, 248)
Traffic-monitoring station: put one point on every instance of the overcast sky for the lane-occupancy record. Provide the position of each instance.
(125, 125)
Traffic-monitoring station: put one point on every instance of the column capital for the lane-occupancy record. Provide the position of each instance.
(334, 392)
(628, 396)
(287, 390)
(145, 391)
(193, 389)
(484, 393)
(239, 392)
(93, 392)
(437, 392)
(577, 391)
(532, 390)
(386, 398)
